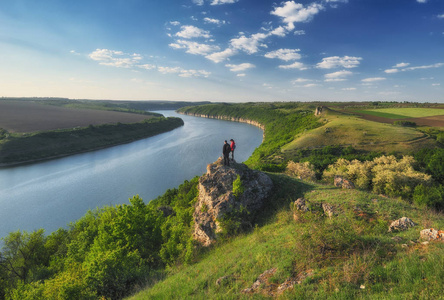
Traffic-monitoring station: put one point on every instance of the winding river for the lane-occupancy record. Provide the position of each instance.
(54, 193)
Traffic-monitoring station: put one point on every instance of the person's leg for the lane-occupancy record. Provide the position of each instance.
(232, 155)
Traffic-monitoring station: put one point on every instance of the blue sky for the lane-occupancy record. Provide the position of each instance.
(223, 50)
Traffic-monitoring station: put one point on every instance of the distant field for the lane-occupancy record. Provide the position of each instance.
(31, 116)
(403, 113)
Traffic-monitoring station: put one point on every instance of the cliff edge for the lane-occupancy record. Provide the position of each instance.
(232, 193)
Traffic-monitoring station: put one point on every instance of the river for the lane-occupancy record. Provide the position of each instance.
(53, 193)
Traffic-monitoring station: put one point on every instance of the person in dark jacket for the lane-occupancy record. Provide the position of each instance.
(226, 152)
(232, 146)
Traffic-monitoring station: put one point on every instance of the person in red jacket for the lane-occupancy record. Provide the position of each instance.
(232, 146)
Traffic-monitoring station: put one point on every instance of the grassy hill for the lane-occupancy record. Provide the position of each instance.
(349, 256)
(349, 130)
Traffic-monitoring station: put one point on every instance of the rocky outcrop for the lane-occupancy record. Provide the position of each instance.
(217, 200)
(401, 224)
(319, 110)
(432, 235)
(340, 181)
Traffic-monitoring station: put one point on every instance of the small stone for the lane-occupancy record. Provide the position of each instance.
(362, 287)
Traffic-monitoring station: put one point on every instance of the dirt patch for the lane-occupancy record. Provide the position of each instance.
(433, 121)
(30, 116)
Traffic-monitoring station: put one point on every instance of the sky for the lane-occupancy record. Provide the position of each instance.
(223, 50)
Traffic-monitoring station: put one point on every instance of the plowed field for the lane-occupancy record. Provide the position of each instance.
(30, 116)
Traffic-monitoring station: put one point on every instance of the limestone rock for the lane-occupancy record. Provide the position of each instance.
(329, 209)
(262, 279)
(216, 197)
(300, 205)
(401, 224)
(432, 235)
(341, 182)
(319, 110)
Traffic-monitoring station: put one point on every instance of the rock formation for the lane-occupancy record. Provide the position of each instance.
(216, 198)
(401, 224)
(432, 234)
(344, 183)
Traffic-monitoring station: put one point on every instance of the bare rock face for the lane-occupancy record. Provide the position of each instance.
(216, 198)
(401, 224)
(432, 235)
(343, 183)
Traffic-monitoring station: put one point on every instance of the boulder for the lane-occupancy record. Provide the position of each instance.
(329, 210)
(300, 205)
(216, 198)
(341, 182)
(401, 224)
(432, 234)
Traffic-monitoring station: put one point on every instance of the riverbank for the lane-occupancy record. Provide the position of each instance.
(32, 147)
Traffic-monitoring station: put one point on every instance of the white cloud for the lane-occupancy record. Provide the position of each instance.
(198, 2)
(115, 58)
(337, 76)
(401, 65)
(299, 32)
(219, 2)
(309, 85)
(441, 16)
(279, 31)
(190, 31)
(284, 54)
(300, 80)
(183, 72)
(240, 67)
(213, 21)
(421, 1)
(373, 79)
(437, 65)
(241, 75)
(436, 84)
(147, 66)
(336, 61)
(349, 89)
(390, 71)
(251, 44)
(295, 65)
(218, 57)
(292, 12)
(175, 23)
(194, 47)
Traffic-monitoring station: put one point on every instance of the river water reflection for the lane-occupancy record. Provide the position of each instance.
(54, 193)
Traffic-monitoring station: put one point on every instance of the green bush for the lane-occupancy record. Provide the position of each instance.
(427, 196)
(238, 188)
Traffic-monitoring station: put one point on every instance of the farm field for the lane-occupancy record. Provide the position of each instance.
(30, 116)
(433, 117)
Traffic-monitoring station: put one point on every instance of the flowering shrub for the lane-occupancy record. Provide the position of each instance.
(303, 170)
(384, 175)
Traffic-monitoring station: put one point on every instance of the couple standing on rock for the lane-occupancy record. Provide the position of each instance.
(226, 151)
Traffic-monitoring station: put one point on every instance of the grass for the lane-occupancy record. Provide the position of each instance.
(350, 250)
(341, 129)
(403, 113)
